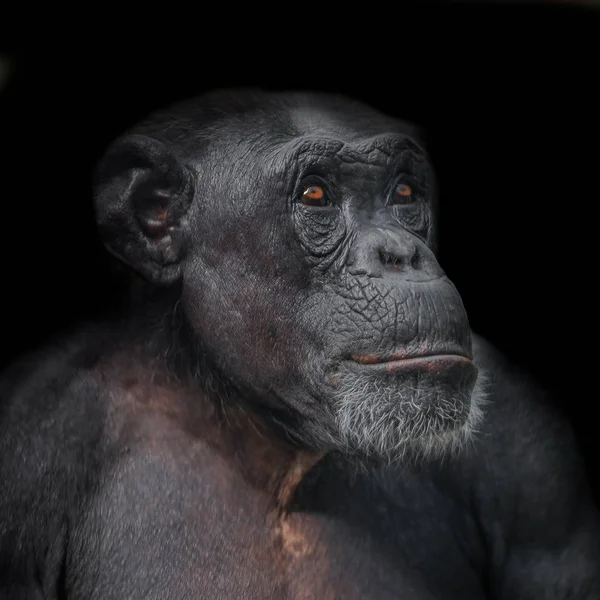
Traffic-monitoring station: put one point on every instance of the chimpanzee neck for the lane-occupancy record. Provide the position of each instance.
(171, 364)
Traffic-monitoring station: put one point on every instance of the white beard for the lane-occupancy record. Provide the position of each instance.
(399, 423)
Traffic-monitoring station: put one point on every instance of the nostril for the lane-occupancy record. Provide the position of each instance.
(390, 260)
(393, 261)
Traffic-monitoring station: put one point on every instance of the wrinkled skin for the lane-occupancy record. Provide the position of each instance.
(292, 406)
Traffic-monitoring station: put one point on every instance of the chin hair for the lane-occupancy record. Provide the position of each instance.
(393, 421)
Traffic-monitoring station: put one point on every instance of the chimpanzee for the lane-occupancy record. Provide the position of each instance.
(293, 405)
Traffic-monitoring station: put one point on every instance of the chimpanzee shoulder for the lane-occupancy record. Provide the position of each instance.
(51, 446)
(528, 487)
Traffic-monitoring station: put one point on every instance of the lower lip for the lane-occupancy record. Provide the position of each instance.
(435, 363)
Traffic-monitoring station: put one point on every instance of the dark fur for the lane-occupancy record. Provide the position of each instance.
(190, 448)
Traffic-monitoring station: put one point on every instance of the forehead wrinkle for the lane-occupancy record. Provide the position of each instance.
(392, 145)
(287, 156)
(290, 156)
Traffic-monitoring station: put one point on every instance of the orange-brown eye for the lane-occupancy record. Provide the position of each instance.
(403, 194)
(314, 196)
(404, 190)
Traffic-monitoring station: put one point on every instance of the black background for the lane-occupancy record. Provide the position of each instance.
(508, 95)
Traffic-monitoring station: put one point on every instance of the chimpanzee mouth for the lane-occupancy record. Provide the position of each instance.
(431, 363)
(427, 361)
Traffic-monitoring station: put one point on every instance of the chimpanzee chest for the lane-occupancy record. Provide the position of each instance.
(250, 556)
(164, 526)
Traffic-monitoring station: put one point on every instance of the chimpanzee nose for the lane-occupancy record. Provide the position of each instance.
(377, 250)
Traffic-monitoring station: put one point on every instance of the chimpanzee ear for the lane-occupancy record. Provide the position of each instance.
(142, 193)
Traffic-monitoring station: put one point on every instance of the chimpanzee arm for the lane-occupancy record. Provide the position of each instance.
(536, 508)
(50, 433)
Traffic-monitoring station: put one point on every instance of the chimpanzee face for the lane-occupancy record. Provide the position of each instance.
(301, 231)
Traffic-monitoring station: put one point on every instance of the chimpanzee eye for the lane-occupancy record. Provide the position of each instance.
(403, 193)
(314, 195)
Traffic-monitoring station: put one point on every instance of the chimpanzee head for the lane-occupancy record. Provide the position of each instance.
(299, 229)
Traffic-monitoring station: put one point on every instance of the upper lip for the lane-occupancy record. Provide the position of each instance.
(374, 358)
